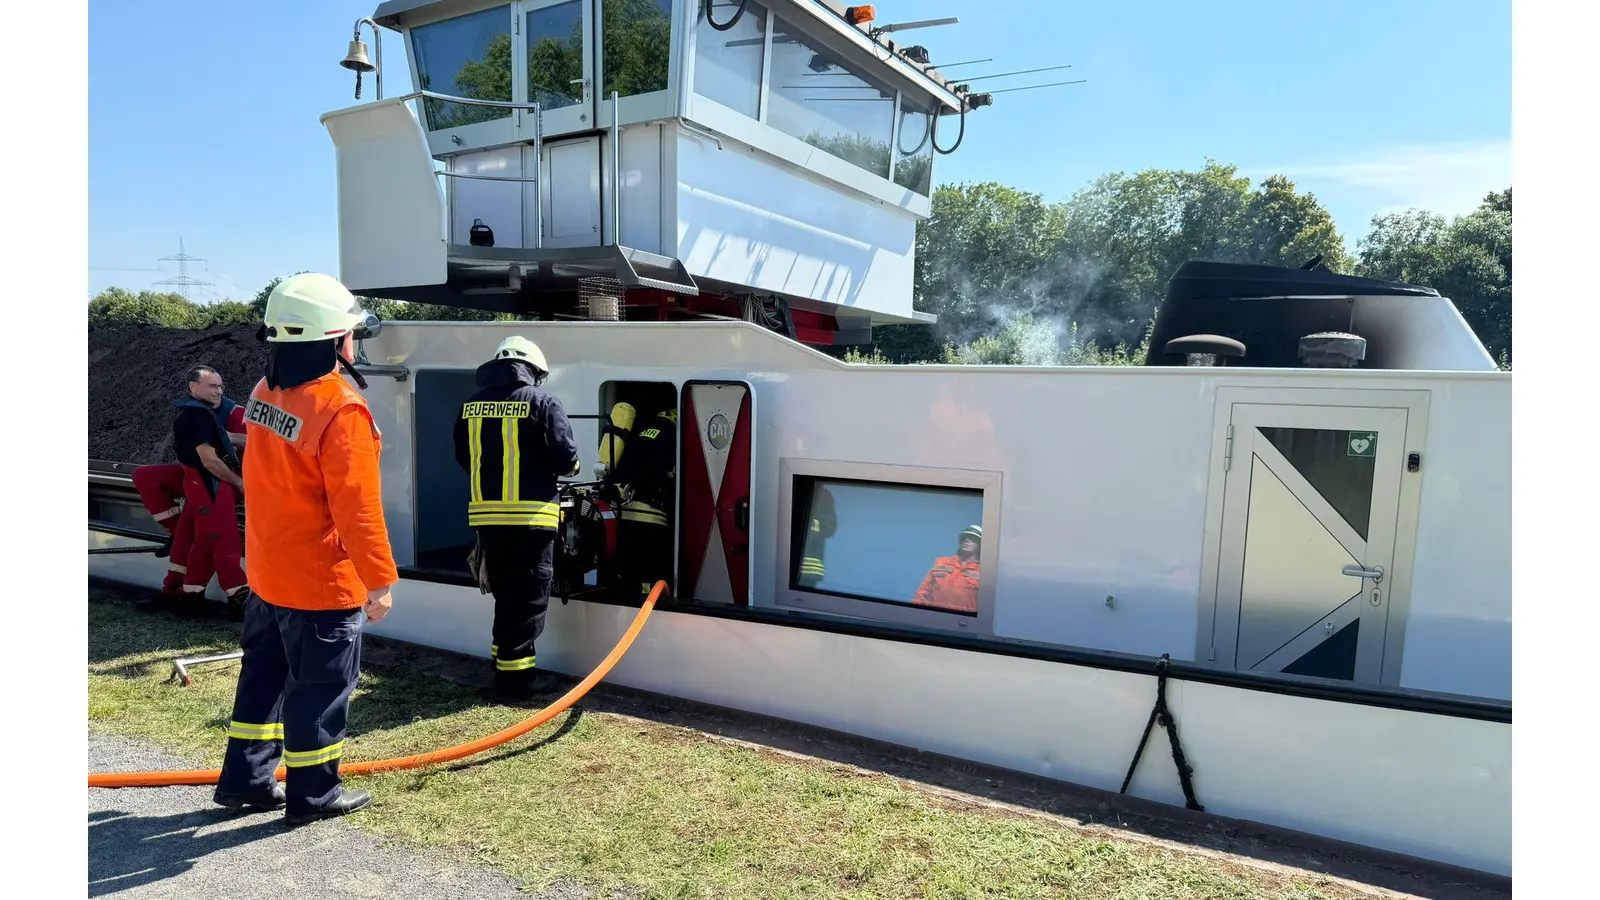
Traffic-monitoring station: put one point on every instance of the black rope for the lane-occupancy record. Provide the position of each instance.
(1160, 713)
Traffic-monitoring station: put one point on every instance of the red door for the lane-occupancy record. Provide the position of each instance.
(715, 430)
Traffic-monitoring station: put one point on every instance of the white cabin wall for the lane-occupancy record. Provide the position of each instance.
(747, 219)
(642, 186)
(498, 203)
(1458, 634)
(1095, 500)
(1105, 472)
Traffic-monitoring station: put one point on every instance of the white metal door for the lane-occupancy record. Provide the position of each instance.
(1309, 519)
(572, 198)
(557, 62)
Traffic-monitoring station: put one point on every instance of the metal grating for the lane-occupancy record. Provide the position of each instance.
(601, 298)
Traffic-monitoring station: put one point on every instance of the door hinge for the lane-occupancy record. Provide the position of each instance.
(1227, 450)
(1211, 655)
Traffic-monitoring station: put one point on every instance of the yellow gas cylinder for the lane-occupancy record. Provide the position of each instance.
(613, 438)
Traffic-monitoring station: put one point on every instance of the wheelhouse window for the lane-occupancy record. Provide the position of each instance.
(469, 56)
(637, 37)
(909, 546)
(814, 95)
(914, 166)
(554, 36)
(727, 65)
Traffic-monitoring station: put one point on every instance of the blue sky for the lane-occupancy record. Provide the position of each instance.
(203, 116)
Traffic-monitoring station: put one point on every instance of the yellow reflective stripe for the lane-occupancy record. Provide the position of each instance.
(251, 731)
(514, 665)
(544, 506)
(508, 458)
(810, 565)
(546, 513)
(494, 650)
(516, 461)
(301, 758)
(646, 515)
(475, 449)
(550, 522)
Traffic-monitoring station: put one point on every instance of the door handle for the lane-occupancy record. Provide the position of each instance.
(1375, 573)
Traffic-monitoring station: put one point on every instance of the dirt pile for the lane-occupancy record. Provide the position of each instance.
(135, 373)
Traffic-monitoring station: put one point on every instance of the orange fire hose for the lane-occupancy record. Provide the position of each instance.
(448, 754)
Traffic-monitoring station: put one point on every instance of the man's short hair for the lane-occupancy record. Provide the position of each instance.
(197, 371)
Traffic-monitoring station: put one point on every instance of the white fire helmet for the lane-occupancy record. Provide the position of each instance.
(519, 347)
(313, 307)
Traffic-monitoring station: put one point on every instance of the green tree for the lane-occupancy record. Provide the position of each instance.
(1467, 259)
(118, 307)
(1095, 266)
(637, 39)
(488, 78)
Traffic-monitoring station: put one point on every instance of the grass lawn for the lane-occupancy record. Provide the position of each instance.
(613, 801)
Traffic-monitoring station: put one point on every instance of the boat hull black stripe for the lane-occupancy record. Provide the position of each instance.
(1339, 692)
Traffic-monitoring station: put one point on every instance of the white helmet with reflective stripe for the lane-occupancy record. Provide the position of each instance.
(312, 307)
(519, 347)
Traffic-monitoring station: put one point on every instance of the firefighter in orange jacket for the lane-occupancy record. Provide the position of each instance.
(320, 563)
(952, 583)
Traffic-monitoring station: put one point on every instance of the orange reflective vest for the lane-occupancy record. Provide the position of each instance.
(951, 584)
(315, 536)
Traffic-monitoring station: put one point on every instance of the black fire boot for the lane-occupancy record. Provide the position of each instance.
(158, 602)
(525, 684)
(347, 802)
(269, 800)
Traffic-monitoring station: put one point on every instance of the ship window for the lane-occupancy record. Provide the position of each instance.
(819, 98)
(554, 35)
(637, 40)
(468, 56)
(727, 65)
(911, 546)
(914, 168)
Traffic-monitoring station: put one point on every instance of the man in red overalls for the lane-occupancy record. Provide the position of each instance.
(952, 583)
(212, 487)
(161, 490)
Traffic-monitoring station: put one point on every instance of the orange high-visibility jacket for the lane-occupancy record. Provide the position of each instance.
(315, 536)
(951, 584)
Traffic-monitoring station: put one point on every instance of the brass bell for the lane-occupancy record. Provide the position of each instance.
(356, 59)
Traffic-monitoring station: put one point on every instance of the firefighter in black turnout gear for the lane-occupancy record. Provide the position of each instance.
(514, 440)
(642, 481)
(822, 526)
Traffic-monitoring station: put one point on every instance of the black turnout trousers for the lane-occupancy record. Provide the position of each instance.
(293, 699)
(521, 566)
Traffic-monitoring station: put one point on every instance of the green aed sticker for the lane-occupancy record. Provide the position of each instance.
(1363, 443)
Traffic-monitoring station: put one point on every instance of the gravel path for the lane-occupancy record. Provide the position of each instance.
(174, 842)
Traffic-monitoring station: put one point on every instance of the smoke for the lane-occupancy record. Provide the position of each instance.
(1062, 312)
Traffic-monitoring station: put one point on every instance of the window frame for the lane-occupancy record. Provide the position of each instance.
(786, 596)
(762, 136)
(492, 133)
